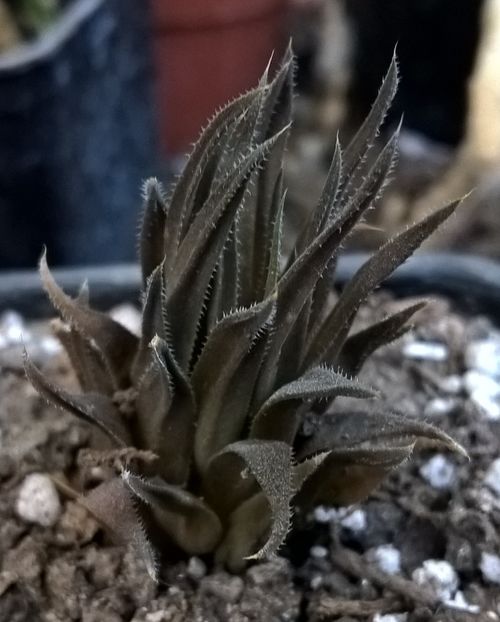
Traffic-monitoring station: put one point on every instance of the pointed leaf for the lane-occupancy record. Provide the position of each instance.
(87, 362)
(190, 523)
(166, 413)
(226, 347)
(180, 205)
(365, 137)
(200, 252)
(152, 235)
(153, 320)
(116, 343)
(392, 254)
(298, 282)
(111, 504)
(246, 530)
(269, 463)
(360, 346)
(278, 419)
(374, 431)
(326, 204)
(91, 407)
(273, 268)
(348, 476)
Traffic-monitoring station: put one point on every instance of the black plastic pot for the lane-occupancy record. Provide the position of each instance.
(77, 136)
(473, 283)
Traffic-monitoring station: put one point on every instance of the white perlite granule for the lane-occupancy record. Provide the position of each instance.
(425, 351)
(390, 617)
(492, 477)
(484, 355)
(38, 501)
(387, 557)
(439, 472)
(439, 576)
(490, 567)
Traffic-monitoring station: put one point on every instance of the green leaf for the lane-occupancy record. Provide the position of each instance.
(254, 232)
(279, 417)
(189, 522)
(333, 332)
(364, 139)
(200, 251)
(273, 268)
(111, 504)
(376, 430)
(115, 342)
(198, 171)
(91, 407)
(246, 529)
(166, 413)
(270, 464)
(348, 476)
(152, 234)
(298, 282)
(213, 374)
(360, 346)
(87, 362)
(326, 204)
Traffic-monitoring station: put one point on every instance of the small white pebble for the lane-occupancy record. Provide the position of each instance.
(492, 477)
(157, 616)
(50, 345)
(439, 576)
(387, 557)
(425, 350)
(451, 384)
(12, 328)
(439, 406)
(128, 316)
(38, 501)
(390, 617)
(324, 514)
(488, 406)
(319, 552)
(490, 567)
(355, 521)
(460, 603)
(316, 582)
(439, 472)
(476, 381)
(484, 355)
(196, 568)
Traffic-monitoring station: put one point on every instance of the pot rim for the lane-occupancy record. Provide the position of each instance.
(25, 55)
(471, 281)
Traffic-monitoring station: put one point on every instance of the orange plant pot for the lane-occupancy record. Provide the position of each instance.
(207, 52)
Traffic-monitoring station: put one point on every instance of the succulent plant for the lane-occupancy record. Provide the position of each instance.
(204, 411)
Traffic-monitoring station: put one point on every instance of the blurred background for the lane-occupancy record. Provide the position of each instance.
(97, 95)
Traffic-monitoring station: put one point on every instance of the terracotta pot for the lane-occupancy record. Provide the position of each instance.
(206, 52)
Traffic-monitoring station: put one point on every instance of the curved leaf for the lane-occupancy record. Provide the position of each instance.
(360, 346)
(117, 344)
(278, 419)
(166, 413)
(111, 504)
(270, 464)
(91, 407)
(190, 523)
(374, 430)
(152, 233)
(392, 254)
(226, 347)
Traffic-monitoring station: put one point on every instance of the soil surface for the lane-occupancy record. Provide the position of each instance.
(425, 546)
